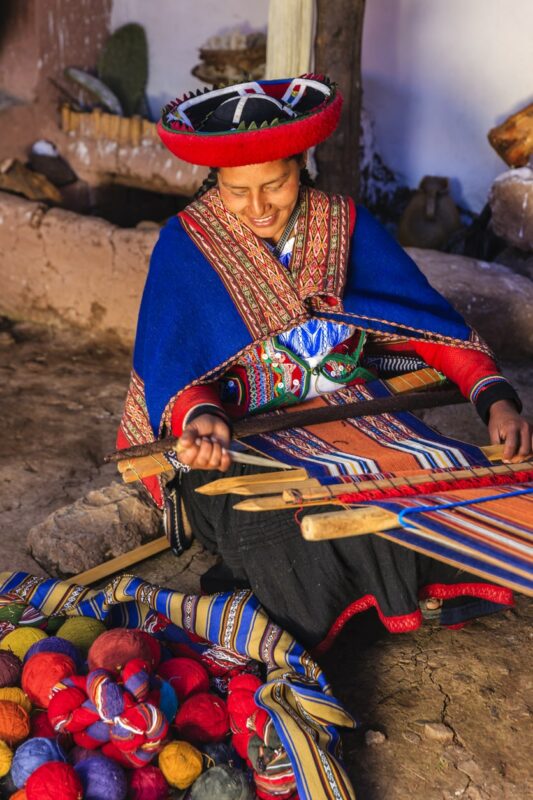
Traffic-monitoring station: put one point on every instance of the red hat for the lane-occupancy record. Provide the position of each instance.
(251, 122)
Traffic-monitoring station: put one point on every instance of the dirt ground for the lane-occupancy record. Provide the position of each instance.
(443, 714)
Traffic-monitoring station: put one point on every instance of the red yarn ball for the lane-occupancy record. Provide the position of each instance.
(203, 718)
(148, 783)
(240, 744)
(245, 680)
(186, 676)
(113, 649)
(54, 781)
(41, 726)
(155, 648)
(40, 674)
(111, 751)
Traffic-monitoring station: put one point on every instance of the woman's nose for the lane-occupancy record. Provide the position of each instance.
(258, 205)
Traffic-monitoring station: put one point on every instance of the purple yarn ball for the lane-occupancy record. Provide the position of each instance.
(78, 754)
(30, 755)
(55, 644)
(10, 669)
(102, 779)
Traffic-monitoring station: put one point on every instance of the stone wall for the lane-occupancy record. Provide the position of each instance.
(66, 269)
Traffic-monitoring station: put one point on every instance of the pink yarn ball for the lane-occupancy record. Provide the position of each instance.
(148, 783)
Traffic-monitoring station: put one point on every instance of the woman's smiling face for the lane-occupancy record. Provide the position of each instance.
(262, 196)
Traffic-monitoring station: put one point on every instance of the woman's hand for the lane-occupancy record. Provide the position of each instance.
(507, 427)
(204, 443)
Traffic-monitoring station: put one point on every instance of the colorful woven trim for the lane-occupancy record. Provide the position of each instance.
(483, 384)
(314, 104)
(269, 297)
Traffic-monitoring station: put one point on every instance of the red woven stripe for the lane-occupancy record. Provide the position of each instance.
(436, 487)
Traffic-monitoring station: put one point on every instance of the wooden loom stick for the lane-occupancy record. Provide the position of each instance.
(407, 396)
(358, 522)
(122, 562)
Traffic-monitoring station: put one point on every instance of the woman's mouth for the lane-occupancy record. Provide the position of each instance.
(263, 222)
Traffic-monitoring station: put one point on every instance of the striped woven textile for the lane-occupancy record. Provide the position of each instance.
(492, 538)
(296, 694)
(380, 444)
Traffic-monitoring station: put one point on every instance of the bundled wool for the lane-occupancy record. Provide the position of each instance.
(203, 718)
(81, 631)
(186, 676)
(56, 644)
(224, 783)
(20, 640)
(40, 674)
(54, 781)
(31, 755)
(113, 649)
(14, 722)
(148, 783)
(102, 779)
(10, 668)
(40, 725)
(6, 757)
(11, 612)
(17, 696)
(181, 764)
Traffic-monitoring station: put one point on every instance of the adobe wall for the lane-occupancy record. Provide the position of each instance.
(62, 268)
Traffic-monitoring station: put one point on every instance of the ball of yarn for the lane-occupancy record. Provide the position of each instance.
(40, 725)
(10, 668)
(155, 648)
(30, 755)
(102, 779)
(81, 631)
(20, 794)
(20, 640)
(203, 718)
(55, 644)
(6, 757)
(113, 649)
(220, 753)
(148, 783)
(12, 612)
(14, 722)
(224, 783)
(77, 754)
(186, 676)
(180, 763)
(54, 781)
(40, 674)
(17, 696)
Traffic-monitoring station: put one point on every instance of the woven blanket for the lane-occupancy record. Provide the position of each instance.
(296, 693)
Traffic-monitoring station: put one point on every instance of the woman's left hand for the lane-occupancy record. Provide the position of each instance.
(507, 427)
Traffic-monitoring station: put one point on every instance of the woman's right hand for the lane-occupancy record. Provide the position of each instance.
(205, 442)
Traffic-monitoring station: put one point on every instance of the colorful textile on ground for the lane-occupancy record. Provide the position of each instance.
(489, 537)
(175, 348)
(383, 444)
(290, 115)
(296, 694)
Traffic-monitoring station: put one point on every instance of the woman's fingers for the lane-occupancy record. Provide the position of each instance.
(205, 453)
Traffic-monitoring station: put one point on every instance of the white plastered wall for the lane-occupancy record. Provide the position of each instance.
(437, 74)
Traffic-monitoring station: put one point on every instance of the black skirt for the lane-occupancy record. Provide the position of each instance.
(312, 588)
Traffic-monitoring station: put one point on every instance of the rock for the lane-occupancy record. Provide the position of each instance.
(495, 301)
(438, 732)
(374, 737)
(511, 202)
(473, 770)
(411, 737)
(6, 339)
(103, 524)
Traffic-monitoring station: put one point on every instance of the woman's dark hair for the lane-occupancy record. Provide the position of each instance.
(211, 180)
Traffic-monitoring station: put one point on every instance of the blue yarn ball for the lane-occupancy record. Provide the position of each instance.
(102, 779)
(55, 644)
(30, 755)
(168, 701)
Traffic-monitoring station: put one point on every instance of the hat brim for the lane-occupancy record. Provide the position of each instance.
(240, 147)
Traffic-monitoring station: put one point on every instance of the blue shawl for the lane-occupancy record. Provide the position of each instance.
(189, 329)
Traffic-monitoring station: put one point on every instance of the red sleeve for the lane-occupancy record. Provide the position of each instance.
(191, 400)
(463, 367)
